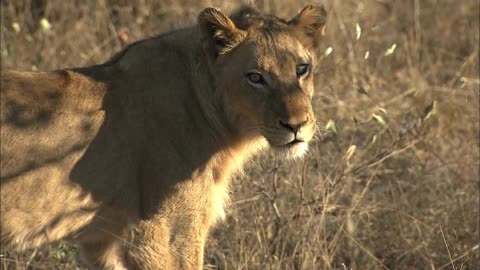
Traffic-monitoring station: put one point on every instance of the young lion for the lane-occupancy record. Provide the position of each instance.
(131, 159)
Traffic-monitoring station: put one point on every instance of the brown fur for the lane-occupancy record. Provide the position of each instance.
(131, 159)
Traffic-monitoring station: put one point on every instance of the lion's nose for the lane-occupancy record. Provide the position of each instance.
(293, 127)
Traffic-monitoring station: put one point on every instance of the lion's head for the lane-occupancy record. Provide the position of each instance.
(264, 67)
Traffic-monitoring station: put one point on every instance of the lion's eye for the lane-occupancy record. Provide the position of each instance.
(256, 79)
(302, 70)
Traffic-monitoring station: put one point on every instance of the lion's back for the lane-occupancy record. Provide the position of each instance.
(43, 115)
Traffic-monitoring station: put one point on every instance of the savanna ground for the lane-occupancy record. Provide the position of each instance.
(391, 183)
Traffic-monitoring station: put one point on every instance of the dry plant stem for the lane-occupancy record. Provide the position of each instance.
(393, 153)
(465, 254)
(448, 250)
(364, 249)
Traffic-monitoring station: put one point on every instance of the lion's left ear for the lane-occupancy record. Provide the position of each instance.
(219, 33)
(309, 25)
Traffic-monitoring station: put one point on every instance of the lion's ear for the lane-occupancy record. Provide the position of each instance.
(309, 25)
(219, 33)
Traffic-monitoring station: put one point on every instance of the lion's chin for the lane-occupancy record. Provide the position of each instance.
(291, 151)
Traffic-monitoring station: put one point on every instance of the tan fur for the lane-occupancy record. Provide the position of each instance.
(131, 159)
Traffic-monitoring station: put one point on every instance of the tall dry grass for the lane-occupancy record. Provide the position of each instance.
(391, 183)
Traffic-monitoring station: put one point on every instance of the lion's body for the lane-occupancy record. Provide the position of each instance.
(129, 159)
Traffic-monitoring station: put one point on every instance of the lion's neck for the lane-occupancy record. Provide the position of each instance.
(233, 149)
(217, 172)
(194, 153)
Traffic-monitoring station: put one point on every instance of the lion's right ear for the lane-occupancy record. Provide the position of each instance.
(219, 33)
(309, 25)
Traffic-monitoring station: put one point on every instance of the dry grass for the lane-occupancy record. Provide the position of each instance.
(396, 187)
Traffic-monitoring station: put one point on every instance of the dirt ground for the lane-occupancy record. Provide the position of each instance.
(392, 181)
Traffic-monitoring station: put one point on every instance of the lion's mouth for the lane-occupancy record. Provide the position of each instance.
(288, 143)
(295, 148)
(294, 142)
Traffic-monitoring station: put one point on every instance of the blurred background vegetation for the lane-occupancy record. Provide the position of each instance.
(392, 184)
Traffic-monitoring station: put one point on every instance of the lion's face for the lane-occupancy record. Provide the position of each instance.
(266, 80)
(269, 91)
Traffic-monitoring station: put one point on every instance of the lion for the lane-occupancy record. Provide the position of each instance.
(131, 159)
